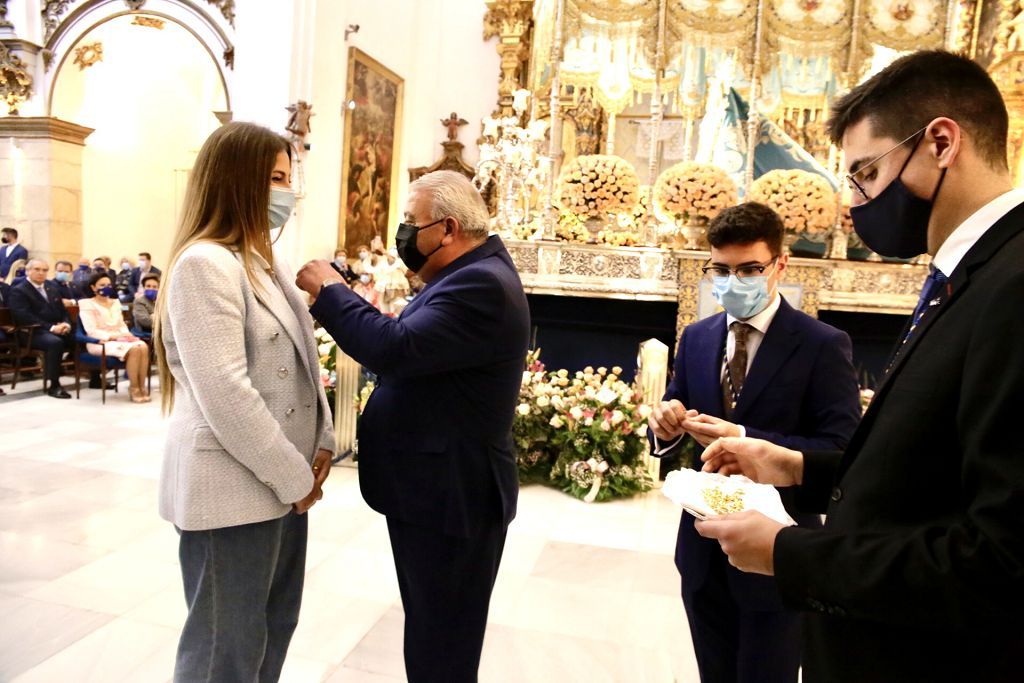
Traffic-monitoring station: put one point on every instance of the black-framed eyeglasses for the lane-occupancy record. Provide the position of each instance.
(747, 271)
(851, 178)
(417, 228)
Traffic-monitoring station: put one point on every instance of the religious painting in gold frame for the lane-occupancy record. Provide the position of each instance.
(369, 167)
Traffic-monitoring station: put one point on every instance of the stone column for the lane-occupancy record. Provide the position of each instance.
(41, 184)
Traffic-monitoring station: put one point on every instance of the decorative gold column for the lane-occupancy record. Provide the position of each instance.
(347, 387)
(512, 22)
(41, 183)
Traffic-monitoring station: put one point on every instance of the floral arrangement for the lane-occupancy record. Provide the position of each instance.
(328, 351)
(617, 238)
(846, 220)
(805, 201)
(594, 184)
(583, 434)
(571, 229)
(693, 192)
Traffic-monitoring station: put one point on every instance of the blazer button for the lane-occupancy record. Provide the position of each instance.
(308, 406)
(275, 335)
(290, 411)
(837, 493)
(282, 372)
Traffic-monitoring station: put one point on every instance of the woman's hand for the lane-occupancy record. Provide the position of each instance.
(321, 470)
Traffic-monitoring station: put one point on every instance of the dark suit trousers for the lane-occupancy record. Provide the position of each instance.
(54, 347)
(446, 584)
(734, 644)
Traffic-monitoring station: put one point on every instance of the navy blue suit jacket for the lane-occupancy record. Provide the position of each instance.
(435, 444)
(29, 308)
(20, 252)
(801, 392)
(135, 282)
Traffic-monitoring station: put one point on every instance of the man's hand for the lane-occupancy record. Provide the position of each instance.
(667, 420)
(761, 461)
(706, 428)
(313, 274)
(747, 537)
(321, 470)
(60, 329)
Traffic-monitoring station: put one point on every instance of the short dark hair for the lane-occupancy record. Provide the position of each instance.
(96, 277)
(745, 224)
(63, 263)
(146, 254)
(11, 231)
(917, 88)
(148, 277)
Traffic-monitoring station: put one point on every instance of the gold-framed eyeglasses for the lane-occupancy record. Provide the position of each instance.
(743, 273)
(851, 178)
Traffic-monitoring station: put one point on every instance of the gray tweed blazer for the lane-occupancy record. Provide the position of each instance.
(250, 410)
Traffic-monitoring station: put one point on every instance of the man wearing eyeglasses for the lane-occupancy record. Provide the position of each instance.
(918, 574)
(761, 369)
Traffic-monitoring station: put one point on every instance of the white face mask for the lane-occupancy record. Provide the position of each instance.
(282, 204)
(143, 263)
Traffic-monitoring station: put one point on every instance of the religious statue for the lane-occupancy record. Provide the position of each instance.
(1014, 30)
(298, 122)
(452, 123)
(585, 116)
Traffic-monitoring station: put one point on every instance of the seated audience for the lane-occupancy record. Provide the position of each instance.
(123, 279)
(80, 278)
(10, 251)
(17, 272)
(145, 305)
(365, 288)
(144, 268)
(391, 283)
(100, 264)
(341, 260)
(366, 261)
(63, 279)
(4, 298)
(102, 319)
(34, 301)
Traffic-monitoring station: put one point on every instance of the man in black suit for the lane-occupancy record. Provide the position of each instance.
(4, 303)
(918, 574)
(435, 447)
(762, 369)
(140, 271)
(35, 301)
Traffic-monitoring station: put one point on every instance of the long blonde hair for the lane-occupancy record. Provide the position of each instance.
(227, 202)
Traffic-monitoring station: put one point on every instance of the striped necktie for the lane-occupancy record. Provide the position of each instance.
(931, 295)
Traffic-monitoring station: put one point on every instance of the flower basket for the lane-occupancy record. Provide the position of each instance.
(594, 185)
(693, 194)
(805, 201)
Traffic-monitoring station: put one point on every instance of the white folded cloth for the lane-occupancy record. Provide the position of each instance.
(705, 495)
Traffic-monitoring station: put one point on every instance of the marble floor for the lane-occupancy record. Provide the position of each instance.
(90, 589)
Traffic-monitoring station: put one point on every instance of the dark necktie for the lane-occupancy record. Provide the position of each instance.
(736, 370)
(931, 295)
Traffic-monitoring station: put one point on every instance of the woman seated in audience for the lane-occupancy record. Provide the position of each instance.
(17, 272)
(145, 304)
(365, 288)
(102, 319)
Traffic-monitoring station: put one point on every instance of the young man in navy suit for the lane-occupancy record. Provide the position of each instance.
(10, 250)
(36, 301)
(435, 448)
(763, 369)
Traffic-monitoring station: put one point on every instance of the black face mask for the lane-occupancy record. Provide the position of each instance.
(405, 242)
(3, 240)
(895, 223)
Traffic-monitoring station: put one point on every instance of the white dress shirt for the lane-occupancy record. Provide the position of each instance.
(970, 231)
(759, 324)
(10, 248)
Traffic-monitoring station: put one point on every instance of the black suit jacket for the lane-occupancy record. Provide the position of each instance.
(919, 572)
(5, 295)
(435, 444)
(801, 393)
(29, 308)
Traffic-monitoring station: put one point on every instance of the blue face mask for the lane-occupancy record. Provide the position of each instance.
(107, 291)
(282, 204)
(61, 276)
(150, 294)
(744, 299)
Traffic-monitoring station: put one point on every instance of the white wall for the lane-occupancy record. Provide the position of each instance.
(437, 47)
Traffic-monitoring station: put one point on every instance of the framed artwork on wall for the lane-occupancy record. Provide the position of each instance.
(369, 166)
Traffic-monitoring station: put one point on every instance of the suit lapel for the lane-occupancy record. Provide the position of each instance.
(779, 343)
(306, 344)
(706, 368)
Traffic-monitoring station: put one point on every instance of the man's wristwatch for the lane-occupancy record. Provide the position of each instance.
(327, 283)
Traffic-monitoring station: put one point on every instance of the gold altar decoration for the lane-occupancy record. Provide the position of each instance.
(511, 21)
(89, 54)
(15, 80)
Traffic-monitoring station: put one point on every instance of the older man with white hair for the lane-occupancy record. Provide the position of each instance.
(37, 301)
(435, 448)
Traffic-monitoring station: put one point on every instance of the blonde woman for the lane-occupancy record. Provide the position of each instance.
(17, 271)
(250, 440)
(102, 319)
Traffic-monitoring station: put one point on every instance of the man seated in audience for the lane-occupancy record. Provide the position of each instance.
(145, 305)
(144, 268)
(123, 279)
(37, 302)
(62, 278)
(80, 278)
(101, 264)
(341, 260)
(10, 251)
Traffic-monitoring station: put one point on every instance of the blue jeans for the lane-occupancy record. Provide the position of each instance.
(243, 588)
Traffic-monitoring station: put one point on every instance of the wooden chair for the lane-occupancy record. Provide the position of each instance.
(86, 362)
(18, 348)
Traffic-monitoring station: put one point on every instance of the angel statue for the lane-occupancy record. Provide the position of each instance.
(452, 123)
(298, 122)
